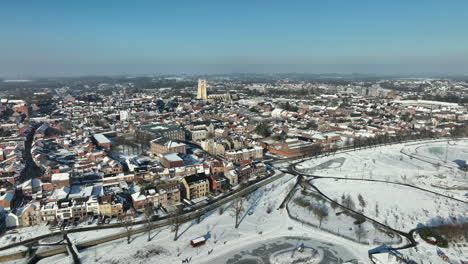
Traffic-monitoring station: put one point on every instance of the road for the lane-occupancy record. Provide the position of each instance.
(30, 171)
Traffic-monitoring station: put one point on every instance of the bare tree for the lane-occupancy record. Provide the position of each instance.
(348, 202)
(238, 208)
(126, 222)
(149, 212)
(322, 214)
(221, 210)
(360, 232)
(269, 208)
(177, 221)
(362, 202)
(96, 259)
(348, 142)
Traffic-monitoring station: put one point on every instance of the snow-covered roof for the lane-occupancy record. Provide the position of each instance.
(198, 239)
(101, 139)
(172, 157)
(61, 176)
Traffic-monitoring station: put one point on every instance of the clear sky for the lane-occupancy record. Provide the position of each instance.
(60, 38)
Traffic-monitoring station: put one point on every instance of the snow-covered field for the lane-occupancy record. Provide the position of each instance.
(420, 164)
(400, 207)
(21, 234)
(434, 166)
(24, 233)
(261, 224)
(340, 223)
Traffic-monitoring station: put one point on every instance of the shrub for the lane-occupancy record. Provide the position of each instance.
(427, 232)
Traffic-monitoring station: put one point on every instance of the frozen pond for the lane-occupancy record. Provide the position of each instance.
(261, 252)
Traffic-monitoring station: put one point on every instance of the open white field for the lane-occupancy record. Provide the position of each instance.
(422, 164)
(400, 207)
(339, 222)
(259, 226)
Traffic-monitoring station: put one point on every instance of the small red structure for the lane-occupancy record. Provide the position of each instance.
(199, 241)
(431, 240)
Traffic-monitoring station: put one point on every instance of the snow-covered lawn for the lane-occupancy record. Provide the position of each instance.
(400, 207)
(20, 234)
(338, 221)
(430, 165)
(261, 222)
(421, 164)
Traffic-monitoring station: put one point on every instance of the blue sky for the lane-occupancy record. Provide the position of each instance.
(59, 38)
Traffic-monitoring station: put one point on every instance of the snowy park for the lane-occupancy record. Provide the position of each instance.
(311, 209)
(403, 186)
(437, 166)
(398, 206)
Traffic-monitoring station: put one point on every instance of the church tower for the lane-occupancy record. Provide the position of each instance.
(201, 92)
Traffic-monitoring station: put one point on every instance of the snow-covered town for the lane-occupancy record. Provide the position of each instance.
(113, 173)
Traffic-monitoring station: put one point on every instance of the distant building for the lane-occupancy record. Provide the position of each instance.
(244, 154)
(165, 145)
(169, 193)
(201, 91)
(217, 182)
(60, 180)
(102, 141)
(111, 209)
(226, 97)
(29, 215)
(170, 131)
(232, 176)
(289, 148)
(171, 160)
(197, 135)
(123, 115)
(251, 170)
(141, 199)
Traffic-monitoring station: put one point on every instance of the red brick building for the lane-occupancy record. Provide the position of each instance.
(171, 160)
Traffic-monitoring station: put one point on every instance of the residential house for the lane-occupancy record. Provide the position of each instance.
(195, 186)
(169, 193)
